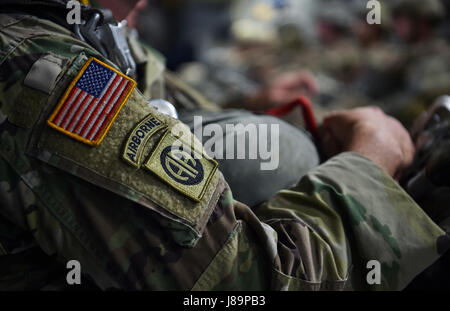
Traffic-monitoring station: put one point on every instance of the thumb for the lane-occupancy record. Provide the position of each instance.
(329, 144)
(337, 125)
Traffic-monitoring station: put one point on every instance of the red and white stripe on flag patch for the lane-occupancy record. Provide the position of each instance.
(92, 102)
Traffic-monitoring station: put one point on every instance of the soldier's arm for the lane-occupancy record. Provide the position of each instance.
(346, 213)
(351, 200)
(349, 214)
(132, 228)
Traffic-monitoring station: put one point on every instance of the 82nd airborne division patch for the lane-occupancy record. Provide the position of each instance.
(92, 102)
(187, 169)
(178, 164)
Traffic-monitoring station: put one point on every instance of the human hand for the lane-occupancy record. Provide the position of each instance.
(371, 133)
(283, 89)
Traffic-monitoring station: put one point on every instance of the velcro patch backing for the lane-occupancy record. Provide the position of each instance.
(92, 102)
(182, 167)
(44, 72)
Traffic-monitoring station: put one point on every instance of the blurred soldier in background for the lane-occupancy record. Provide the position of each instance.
(414, 19)
(232, 86)
(423, 69)
(89, 172)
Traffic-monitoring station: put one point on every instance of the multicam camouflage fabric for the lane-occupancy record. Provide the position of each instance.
(62, 200)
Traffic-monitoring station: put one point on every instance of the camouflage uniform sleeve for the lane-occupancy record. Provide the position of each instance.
(130, 229)
(127, 226)
(344, 214)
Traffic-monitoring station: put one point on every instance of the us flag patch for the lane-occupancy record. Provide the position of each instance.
(91, 102)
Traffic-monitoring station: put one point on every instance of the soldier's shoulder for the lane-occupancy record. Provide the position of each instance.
(24, 25)
(66, 106)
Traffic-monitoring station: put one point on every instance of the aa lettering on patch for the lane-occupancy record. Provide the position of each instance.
(92, 102)
(181, 166)
(135, 145)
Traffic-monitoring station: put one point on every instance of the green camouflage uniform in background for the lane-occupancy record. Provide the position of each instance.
(62, 200)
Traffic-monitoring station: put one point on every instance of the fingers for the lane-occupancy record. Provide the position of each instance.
(405, 142)
(339, 124)
(330, 145)
(297, 80)
(372, 133)
(336, 119)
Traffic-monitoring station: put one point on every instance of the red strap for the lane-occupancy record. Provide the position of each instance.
(307, 111)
